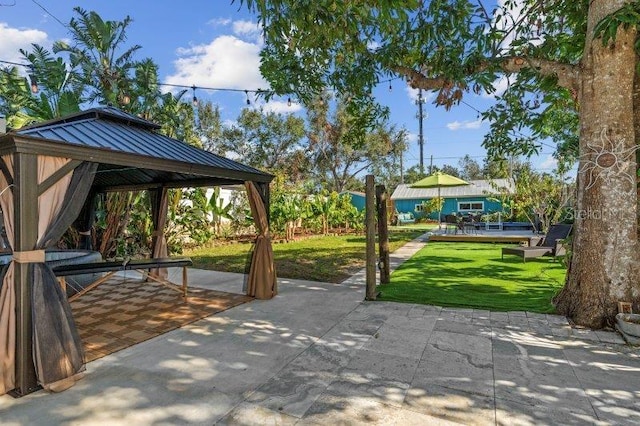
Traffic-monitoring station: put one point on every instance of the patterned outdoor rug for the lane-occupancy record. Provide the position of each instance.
(120, 313)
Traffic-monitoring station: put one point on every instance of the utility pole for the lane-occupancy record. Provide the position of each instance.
(420, 132)
(401, 167)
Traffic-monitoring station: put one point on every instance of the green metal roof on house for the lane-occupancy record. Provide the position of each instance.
(476, 188)
(131, 152)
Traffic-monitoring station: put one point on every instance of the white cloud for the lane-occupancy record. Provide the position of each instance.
(500, 86)
(219, 22)
(281, 107)
(413, 95)
(412, 138)
(549, 163)
(467, 124)
(246, 28)
(14, 39)
(512, 17)
(227, 62)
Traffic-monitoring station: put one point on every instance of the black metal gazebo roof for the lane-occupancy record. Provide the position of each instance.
(130, 151)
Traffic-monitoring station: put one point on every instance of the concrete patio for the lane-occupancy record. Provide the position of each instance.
(318, 354)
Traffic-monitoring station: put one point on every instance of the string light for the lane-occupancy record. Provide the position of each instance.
(34, 83)
(195, 98)
(34, 87)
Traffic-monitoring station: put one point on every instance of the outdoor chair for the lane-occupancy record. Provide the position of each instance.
(451, 223)
(550, 245)
(469, 224)
(402, 218)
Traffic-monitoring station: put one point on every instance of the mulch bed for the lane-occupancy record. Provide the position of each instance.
(121, 313)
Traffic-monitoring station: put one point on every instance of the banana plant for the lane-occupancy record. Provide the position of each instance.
(218, 210)
(324, 207)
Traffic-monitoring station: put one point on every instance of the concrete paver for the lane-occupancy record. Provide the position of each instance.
(318, 354)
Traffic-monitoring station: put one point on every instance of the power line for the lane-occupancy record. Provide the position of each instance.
(15, 63)
(471, 106)
(50, 14)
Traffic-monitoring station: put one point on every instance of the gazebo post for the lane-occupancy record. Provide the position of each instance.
(26, 235)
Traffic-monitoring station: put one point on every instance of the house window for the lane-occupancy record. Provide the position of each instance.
(419, 208)
(470, 206)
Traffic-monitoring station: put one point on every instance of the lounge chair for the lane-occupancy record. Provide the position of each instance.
(403, 218)
(550, 245)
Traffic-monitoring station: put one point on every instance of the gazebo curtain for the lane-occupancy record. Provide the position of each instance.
(84, 222)
(261, 282)
(159, 199)
(58, 354)
(7, 291)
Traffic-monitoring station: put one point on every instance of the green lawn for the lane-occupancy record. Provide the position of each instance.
(473, 275)
(424, 227)
(327, 259)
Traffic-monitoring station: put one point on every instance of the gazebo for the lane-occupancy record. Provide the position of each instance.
(50, 175)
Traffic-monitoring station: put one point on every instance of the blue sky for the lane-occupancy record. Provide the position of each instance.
(216, 44)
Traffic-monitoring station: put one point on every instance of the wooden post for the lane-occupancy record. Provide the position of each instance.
(25, 236)
(383, 234)
(370, 223)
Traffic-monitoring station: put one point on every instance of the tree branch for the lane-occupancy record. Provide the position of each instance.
(567, 74)
(417, 80)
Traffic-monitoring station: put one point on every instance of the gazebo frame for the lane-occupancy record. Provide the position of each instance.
(130, 154)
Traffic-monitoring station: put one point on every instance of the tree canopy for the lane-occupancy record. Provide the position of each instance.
(571, 72)
(450, 46)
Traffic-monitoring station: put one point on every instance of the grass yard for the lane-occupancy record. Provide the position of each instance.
(424, 227)
(328, 259)
(473, 275)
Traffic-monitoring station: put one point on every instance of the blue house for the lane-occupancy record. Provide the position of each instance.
(358, 199)
(477, 197)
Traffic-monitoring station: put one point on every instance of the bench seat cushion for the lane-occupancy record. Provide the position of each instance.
(115, 265)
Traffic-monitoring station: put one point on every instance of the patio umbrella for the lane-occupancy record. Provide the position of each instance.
(439, 180)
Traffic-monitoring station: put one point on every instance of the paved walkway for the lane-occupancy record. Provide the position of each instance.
(317, 354)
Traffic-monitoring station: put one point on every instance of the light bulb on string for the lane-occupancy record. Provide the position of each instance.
(195, 98)
(289, 102)
(34, 83)
(246, 92)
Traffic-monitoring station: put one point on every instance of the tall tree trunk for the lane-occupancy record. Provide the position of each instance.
(118, 213)
(636, 122)
(604, 268)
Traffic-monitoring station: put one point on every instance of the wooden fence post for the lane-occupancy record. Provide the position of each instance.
(383, 234)
(370, 223)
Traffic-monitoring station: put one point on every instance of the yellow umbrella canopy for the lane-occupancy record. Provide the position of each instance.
(439, 180)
